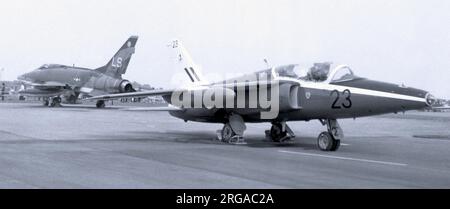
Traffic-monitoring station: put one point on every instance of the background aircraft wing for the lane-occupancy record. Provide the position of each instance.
(132, 95)
(169, 92)
(153, 109)
(441, 108)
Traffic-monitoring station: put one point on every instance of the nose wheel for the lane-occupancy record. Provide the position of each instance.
(330, 140)
(327, 142)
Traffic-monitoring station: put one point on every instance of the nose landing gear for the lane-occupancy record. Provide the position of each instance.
(326, 142)
(331, 139)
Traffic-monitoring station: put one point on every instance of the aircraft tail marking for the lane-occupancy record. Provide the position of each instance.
(187, 64)
(189, 74)
(118, 64)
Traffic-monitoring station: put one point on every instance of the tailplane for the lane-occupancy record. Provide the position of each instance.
(117, 66)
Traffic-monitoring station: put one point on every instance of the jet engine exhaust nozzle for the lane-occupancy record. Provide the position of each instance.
(431, 100)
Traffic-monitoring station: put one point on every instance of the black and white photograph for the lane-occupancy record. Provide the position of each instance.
(225, 94)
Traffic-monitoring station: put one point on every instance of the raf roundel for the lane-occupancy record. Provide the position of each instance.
(308, 95)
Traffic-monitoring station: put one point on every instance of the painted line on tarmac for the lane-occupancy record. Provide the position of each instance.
(344, 158)
(342, 144)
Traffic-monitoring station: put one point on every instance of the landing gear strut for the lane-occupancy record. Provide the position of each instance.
(280, 132)
(100, 104)
(233, 130)
(331, 139)
(45, 102)
(56, 102)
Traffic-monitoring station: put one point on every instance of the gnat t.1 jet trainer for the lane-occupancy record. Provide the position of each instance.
(320, 91)
(53, 81)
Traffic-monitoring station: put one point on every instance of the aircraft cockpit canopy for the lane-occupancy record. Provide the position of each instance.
(288, 71)
(342, 73)
(318, 72)
(49, 66)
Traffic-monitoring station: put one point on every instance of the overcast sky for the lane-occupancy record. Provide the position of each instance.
(400, 41)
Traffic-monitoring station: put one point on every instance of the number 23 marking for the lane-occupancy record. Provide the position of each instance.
(346, 94)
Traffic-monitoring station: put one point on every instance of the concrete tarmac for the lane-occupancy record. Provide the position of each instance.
(120, 147)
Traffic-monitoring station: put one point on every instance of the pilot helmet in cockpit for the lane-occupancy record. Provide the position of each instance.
(319, 72)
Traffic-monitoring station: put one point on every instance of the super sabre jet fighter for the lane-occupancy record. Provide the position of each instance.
(323, 92)
(53, 81)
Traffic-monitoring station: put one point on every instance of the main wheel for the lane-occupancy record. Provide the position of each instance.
(276, 133)
(56, 102)
(326, 142)
(100, 104)
(227, 133)
(336, 145)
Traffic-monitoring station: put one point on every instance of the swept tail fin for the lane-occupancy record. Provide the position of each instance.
(118, 64)
(187, 64)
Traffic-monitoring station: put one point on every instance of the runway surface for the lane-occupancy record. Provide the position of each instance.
(84, 147)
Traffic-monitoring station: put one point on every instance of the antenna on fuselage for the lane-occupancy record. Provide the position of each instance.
(267, 63)
(272, 69)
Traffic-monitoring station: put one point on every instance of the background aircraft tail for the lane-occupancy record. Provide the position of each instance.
(186, 63)
(118, 64)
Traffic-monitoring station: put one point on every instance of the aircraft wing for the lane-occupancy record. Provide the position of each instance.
(169, 92)
(153, 109)
(132, 95)
(441, 108)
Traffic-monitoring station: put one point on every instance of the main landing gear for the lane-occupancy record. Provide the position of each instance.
(52, 102)
(280, 132)
(330, 140)
(45, 102)
(233, 130)
(100, 104)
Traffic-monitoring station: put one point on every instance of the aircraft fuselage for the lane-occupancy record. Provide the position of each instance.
(359, 97)
(59, 79)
